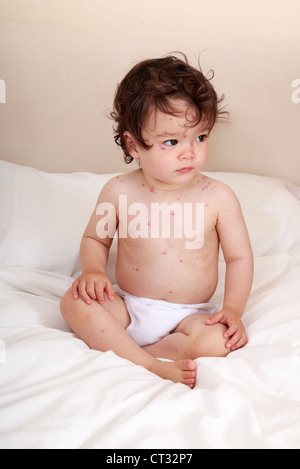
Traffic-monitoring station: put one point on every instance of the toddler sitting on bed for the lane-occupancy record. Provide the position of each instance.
(170, 221)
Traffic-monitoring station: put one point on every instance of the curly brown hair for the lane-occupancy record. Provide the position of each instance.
(151, 84)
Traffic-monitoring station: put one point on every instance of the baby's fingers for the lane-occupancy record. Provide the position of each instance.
(215, 318)
(84, 294)
(99, 287)
(90, 289)
(238, 340)
(75, 289)
(232, 329)
(109, 290)
(102, 288)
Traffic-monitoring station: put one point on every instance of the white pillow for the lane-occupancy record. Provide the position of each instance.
(271, 208)
(43, 215)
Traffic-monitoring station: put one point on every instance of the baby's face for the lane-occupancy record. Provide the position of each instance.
(178, 150)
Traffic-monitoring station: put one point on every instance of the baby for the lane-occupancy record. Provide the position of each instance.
(171, 221)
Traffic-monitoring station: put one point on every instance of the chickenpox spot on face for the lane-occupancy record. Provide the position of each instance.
(180, 260)
(164, 253)
(170, 292)
(185, 133)
(102, 331)
(153, 190)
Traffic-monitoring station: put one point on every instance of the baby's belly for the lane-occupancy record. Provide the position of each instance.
(180, 277)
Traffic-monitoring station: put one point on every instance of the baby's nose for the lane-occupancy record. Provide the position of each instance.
(187, 152)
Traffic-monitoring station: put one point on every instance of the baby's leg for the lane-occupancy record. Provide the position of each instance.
(192, 339)
(103, 327)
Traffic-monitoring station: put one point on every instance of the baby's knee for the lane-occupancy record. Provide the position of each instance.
(73, 309)
(65, 301)
(210, 343)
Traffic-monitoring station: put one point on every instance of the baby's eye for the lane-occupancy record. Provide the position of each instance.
(201, 138)
(171, 143)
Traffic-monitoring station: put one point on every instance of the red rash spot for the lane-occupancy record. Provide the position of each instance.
(164, 253)
(181, 260)
(206, 187)
(102, 331)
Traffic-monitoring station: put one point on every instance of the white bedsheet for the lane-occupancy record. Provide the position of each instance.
(57, 393)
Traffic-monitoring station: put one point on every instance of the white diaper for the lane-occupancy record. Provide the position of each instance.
(151, 320)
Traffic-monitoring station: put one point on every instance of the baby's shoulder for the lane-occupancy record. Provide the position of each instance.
(217, 190)
(119, 184)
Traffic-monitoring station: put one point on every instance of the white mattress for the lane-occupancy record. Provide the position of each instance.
(57, 393)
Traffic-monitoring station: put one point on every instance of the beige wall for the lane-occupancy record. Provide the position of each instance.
(61, 60)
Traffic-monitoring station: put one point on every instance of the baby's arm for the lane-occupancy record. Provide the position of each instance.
(238, 256)
(94, 251)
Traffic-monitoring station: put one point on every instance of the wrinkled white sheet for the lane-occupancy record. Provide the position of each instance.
(56, 393)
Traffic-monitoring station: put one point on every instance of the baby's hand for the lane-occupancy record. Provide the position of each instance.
(92, 286)
(235, 333)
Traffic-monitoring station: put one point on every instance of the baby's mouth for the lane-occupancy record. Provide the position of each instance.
(185, 170)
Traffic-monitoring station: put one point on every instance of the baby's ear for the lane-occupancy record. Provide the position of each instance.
(131, 144)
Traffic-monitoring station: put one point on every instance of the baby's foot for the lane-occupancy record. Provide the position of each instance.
(181, 371)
